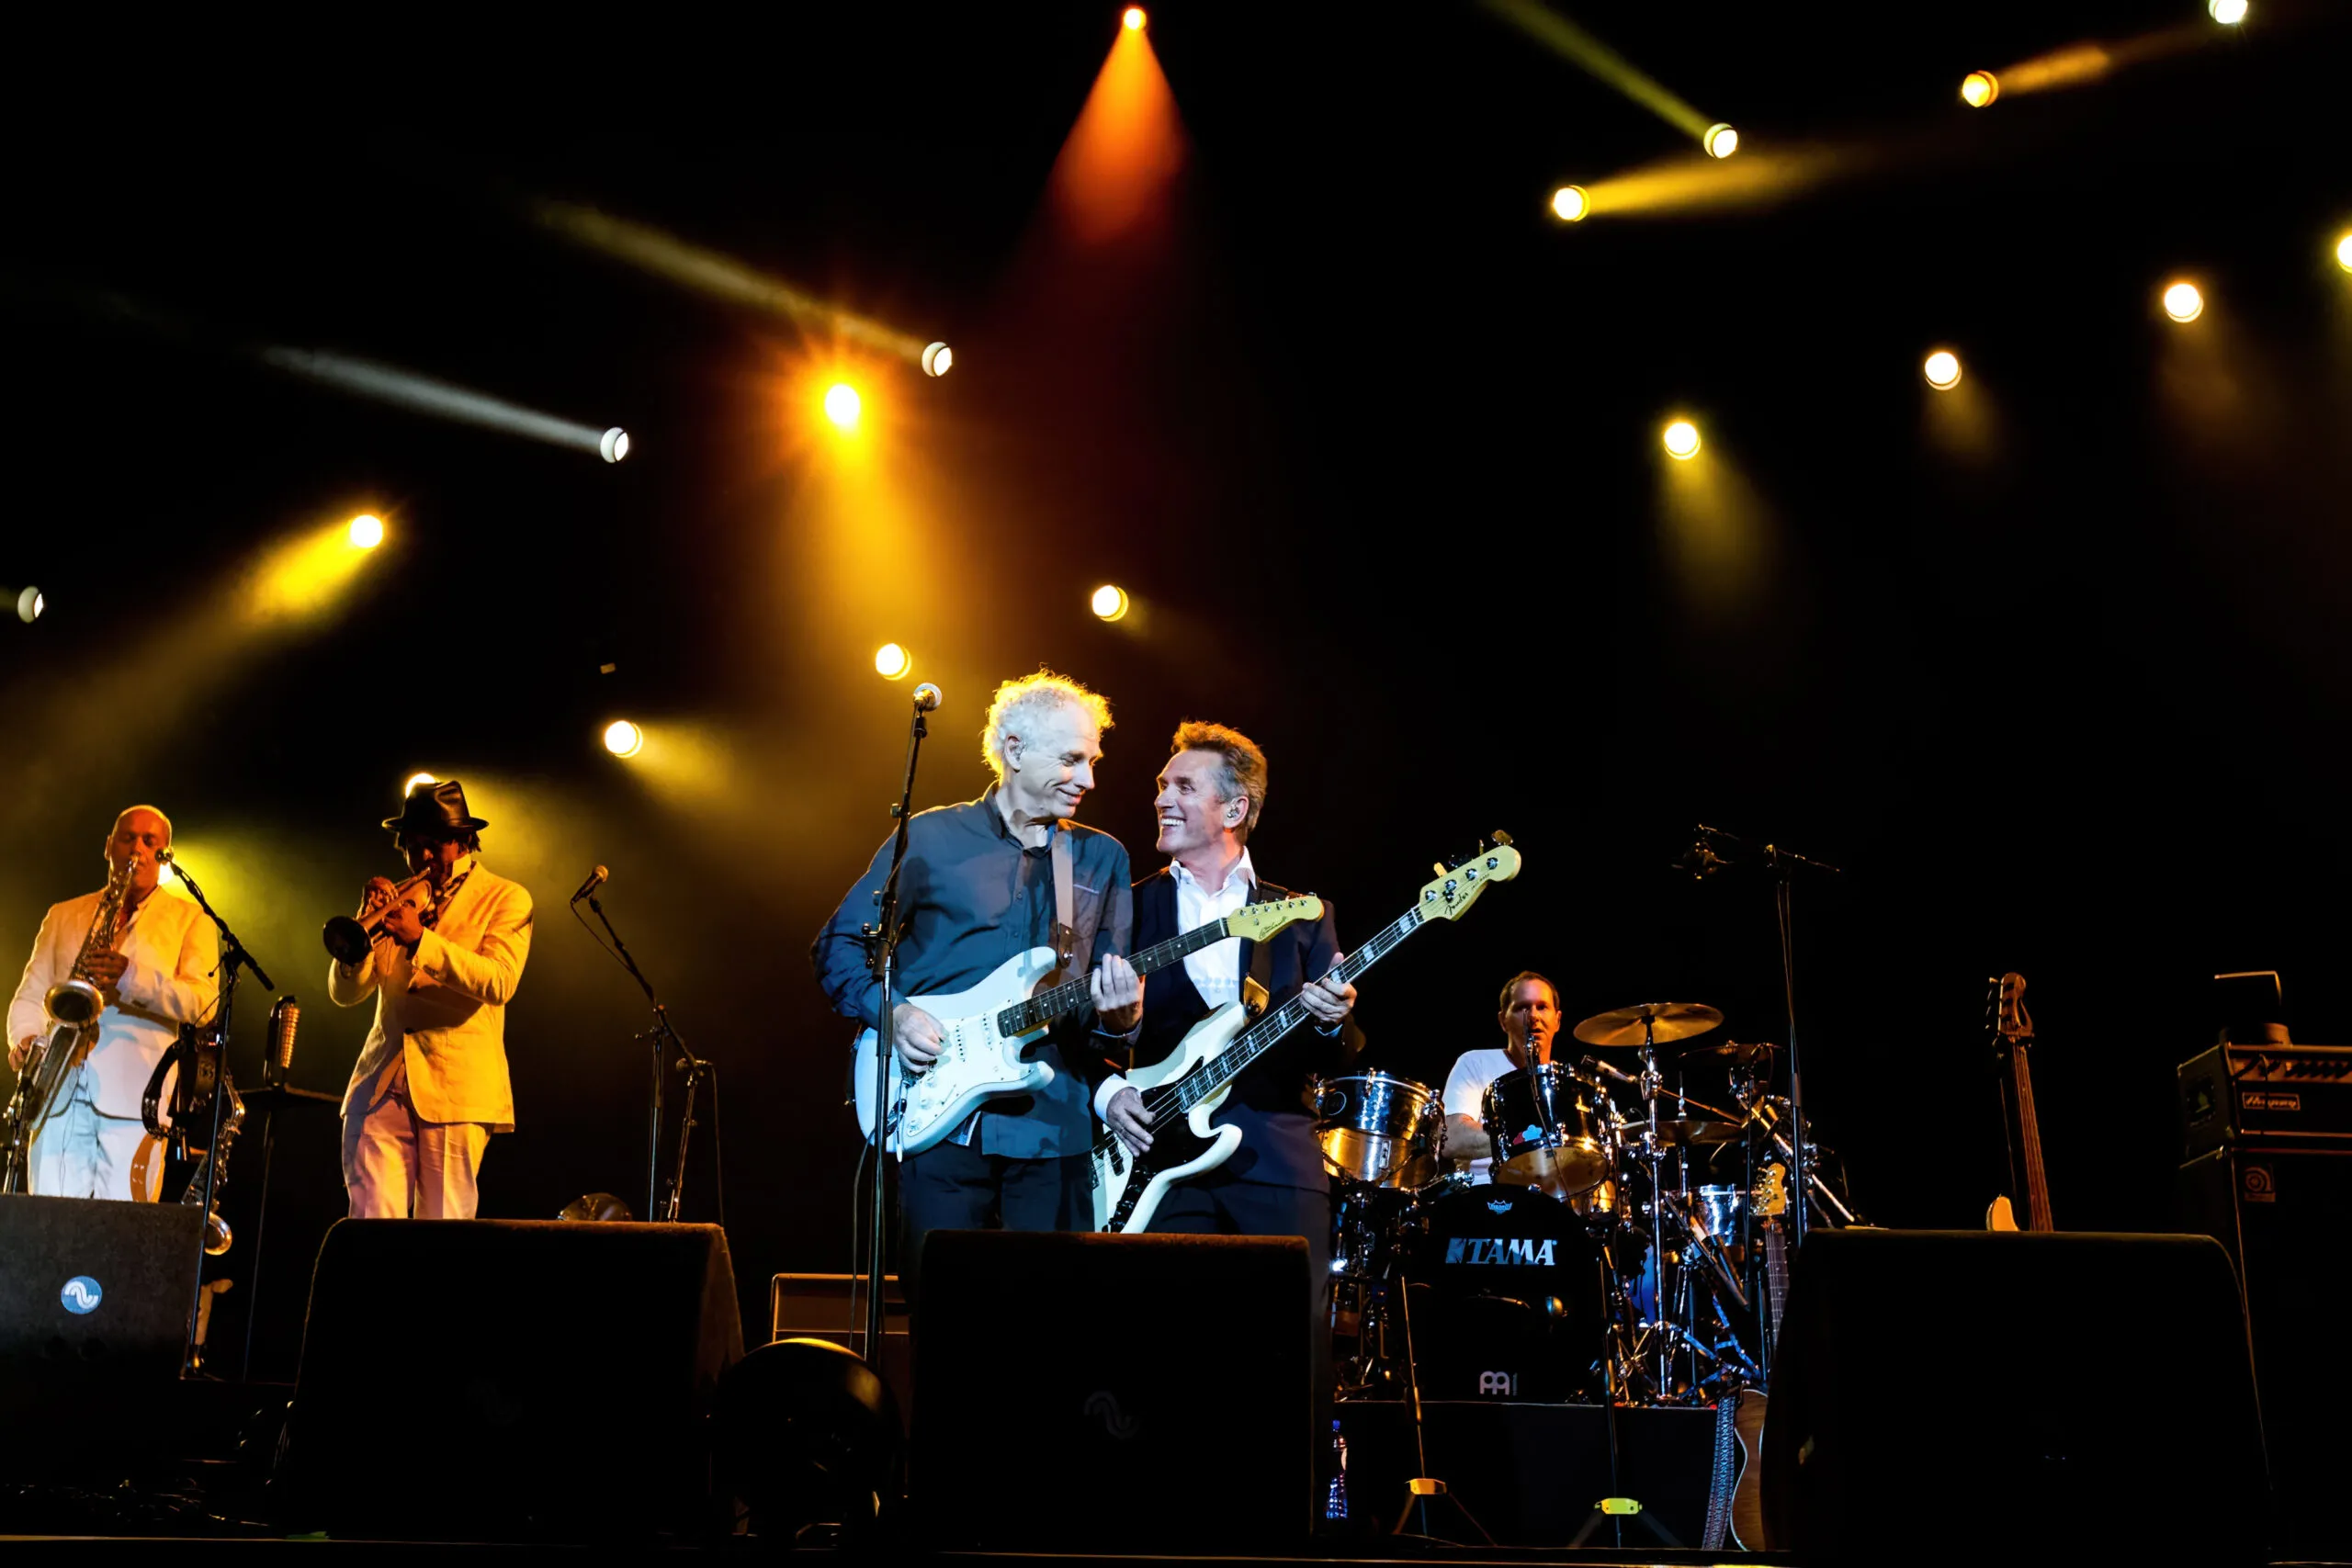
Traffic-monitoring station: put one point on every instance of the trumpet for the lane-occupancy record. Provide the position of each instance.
(348, 940)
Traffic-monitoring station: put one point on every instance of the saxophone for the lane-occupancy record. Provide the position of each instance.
(217, 1236)
(74, 1006)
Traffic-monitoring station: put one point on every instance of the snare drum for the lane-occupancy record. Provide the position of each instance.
(1379, 1129)
(1548, 1127)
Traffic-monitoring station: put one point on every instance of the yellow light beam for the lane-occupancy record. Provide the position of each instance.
(720, 275)
(1571, 42)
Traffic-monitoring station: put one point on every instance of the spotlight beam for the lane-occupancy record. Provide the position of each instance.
(422, 394)
(1604, 65)
(720, 275)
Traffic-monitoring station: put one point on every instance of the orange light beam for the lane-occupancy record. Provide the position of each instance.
(1125, 148)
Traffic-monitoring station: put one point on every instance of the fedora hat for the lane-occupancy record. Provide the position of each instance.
(437, 809)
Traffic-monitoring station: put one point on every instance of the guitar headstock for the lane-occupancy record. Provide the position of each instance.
(1772, 1191)
(2004, 1014)
(1452, 891)
(1256, 922)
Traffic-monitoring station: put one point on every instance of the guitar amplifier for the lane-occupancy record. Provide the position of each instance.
(2290, 1094)
(818, 1306)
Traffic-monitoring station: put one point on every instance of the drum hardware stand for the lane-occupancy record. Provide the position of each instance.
(881, 937)
(665, 1040)
(233, 956)
(1416, 1520)
(1614, 1507)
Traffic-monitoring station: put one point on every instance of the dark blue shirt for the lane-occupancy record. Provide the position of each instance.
(973, 896)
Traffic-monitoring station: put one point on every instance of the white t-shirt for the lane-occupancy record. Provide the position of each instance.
(1465, 1093)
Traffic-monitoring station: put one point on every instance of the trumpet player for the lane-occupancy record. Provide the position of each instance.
(152, 962)
(443, 952)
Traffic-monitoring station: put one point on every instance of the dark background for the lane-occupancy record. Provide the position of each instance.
(1372, 441)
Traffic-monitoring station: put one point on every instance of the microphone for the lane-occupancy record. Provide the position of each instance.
(1700, 861)
(927, 698)
(282, 1020)
(596, 879)
(1595, 1063)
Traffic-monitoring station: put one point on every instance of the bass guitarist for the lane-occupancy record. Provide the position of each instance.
(978, 887)
(1212, 791)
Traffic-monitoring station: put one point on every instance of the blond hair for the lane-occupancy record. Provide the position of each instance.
(1017, 700)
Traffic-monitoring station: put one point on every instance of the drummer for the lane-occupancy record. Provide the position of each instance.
(1528, 1012)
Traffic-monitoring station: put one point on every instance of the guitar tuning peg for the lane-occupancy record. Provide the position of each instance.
(1438, 866)
(1501, 839)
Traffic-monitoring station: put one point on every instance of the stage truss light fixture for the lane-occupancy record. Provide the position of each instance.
(1569, 204)
(1721, 140)
(614, 445)
(2344, 251)
(892, 662)
(2184, 303)
(938, 359)
(622, 738)
(2228, 13)
(1979, 88)
(1133, 19)
(1682, 438)
(1110, 601)
(366, 531)
(844, 406)
(1941, 369)
(29, 604)
(415, 780)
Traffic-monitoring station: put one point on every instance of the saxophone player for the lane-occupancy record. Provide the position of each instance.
(431, 1084)
(153, 970)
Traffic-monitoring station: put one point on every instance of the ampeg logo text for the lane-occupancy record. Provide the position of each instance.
(1104, 1406)
(1481, 1251)
(81, 1294)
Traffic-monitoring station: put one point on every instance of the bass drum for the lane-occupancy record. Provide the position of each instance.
(1506, 1296)
(1378, 1128)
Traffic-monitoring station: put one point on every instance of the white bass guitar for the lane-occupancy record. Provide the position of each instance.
(984, 1031)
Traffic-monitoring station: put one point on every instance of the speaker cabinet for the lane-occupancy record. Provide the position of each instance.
(497, 1380)
(1944, 1394)
(1105, 1393)
(2277, 1209)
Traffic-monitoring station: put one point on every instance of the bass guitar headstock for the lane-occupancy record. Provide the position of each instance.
(1456, 887)
(1256, 922)
(2005, 1015)
(1772, 1191)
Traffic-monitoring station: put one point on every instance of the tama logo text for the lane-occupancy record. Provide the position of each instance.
(1481, 1251)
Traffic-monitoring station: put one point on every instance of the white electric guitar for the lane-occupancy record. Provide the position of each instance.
(984, 1031)
(1184, 1091)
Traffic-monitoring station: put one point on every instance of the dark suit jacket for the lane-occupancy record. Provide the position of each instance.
(1268, 1102)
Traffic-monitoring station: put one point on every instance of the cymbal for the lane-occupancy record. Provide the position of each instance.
(1683, 1132)
(1667, 1020)
(1734, 1053)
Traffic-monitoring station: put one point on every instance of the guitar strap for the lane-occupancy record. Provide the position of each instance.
(1065, 899)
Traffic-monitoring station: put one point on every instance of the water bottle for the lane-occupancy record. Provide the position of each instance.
(1335, 1500)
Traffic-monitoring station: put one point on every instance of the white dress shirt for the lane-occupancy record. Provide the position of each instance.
(1214, 970)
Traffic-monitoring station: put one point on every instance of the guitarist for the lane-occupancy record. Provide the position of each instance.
(1211, 794)
(977, 888)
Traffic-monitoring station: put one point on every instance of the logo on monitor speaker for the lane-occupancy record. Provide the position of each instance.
(81, 1294)
(1502, 1384)
(1104, 1407)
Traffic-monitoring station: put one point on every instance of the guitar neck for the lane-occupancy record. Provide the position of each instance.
(1268, 1032)
(2025, 1138)
(1074, 996)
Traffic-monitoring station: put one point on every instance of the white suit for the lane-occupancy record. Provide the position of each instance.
(86, 1149)
(433, 1067)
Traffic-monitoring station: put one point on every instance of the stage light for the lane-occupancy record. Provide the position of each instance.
(1132, 19)
(1721, 140)
(938, 359)
(29, 604)
(1569, 204)
(1979, 88)
(622, 738)
(2228, 13)
(366, 532)
(2344, 253)
(842, 405)
(614, 445)
(2183, 302)
(413, 780)
(892, 662)
(1110, 601)
(1942, 370)
(1681, 440)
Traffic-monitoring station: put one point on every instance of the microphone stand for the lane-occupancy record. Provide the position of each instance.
(233, 956)
(881, 938)
(665, 1039)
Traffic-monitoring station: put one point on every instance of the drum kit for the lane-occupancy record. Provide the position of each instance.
(1625, 1241)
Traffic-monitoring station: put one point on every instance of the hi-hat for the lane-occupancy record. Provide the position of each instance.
(1733, 1052)
(1660, 1022)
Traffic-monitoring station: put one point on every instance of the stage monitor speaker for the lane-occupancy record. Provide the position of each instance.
(1098, 1393)
(94, 1304)
(1998, 1396)
(2272, 1207)
(500, 1380)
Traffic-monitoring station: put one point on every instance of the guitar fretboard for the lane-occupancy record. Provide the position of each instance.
(1071, 996)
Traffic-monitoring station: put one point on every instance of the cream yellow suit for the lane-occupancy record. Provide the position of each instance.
(84, 1150)
(431, 1083)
